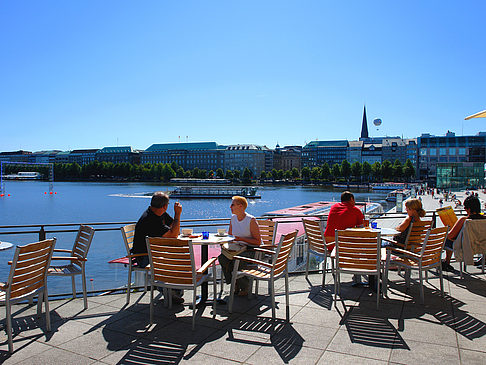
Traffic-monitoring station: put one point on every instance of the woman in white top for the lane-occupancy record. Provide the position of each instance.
(246, 230)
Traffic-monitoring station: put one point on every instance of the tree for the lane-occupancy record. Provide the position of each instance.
(315, 173)
(366, 170)
(386, 169)
(274, 174)
(280, 174)
(305, 173)
(408, 170)
(167, 173)
(376, 171)
(288, 174)
(336, 171)
(345, 169)
(325, 171)
(180, 172)
(356, 170)
(236, 174)
(263, 175)
(228, 175)
(219, 173)
(397, 169)
(246, 175)
(295, 173)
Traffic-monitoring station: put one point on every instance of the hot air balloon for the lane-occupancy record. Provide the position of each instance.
(377, 122)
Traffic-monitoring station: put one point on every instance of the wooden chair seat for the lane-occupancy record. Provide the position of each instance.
(70, 269)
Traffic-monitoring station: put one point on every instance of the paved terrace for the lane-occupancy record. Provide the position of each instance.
(450, 329)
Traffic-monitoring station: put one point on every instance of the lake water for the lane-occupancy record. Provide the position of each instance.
(81, 202)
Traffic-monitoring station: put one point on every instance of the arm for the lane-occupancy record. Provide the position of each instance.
(454, 232)
(174, 230)
(256, 238)
(404, 225)
(230, 230)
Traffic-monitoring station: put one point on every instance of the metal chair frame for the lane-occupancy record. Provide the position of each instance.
(316, 243)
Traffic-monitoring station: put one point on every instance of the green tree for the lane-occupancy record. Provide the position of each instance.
(246, 175)
(345, 169)
(408, 170)
(325, 171)
(280, 174)
(366, 170)
(356, 170)
(295, 173)
(236, 174)
(336, 171)
(305, 173)
(229, 175)
(397, 170)
(288, 174)
(274, 174)
(220, 173)
(386, 169)
(315, 173)
(376, 171)
(167, 173)
(180, 172)
(263, 175)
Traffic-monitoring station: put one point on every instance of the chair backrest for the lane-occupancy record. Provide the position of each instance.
(416, 235)
(431, 249)
(29, 268)
(83, 241)
(268, 230)
(475, 229)
(358, 250)
(281, 258)
(171, 260)
(315, 236)
(128, 234)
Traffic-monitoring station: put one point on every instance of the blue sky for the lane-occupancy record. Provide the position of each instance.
(89, 74)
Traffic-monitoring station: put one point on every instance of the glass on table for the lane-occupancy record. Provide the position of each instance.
(374, 225)
(205, 235)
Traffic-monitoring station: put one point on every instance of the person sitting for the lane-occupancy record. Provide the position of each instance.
(155, 222)
(415, 211)
(244, 227)
(472, 206)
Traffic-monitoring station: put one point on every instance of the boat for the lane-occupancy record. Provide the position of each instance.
(392, 196)
(351, 186)
(24, 175)
(389, 186)
(206, 192)
(180, 180)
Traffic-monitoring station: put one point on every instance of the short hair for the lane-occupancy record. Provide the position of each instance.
(416, 205)
(346, 196)
(240, 200)
(159, 199)
(473, 204)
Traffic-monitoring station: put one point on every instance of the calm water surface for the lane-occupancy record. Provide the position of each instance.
(80, 202)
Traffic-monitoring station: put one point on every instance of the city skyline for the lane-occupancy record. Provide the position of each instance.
(88, 74)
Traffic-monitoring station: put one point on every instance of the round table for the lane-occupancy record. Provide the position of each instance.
(5, 245)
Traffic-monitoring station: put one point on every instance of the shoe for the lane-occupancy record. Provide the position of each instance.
(478, 262)
(447, 267)
(177, 300)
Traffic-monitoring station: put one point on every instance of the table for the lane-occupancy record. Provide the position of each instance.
(5, 245)
(214, 239)
(384, 231)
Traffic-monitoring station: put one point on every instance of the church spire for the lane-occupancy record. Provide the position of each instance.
(364, 126)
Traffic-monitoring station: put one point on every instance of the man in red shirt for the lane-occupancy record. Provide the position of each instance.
(343, 215)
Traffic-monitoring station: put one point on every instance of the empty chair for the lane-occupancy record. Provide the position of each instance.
(128, 233)
(317, 244)
(357, 252)
(172, 266)
(28, 275)
(261, 270)
(78, 260)
(426, 257)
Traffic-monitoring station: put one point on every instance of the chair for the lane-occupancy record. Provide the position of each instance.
(78, 260)
(268, 231)
(317, 244)
(172, 266)
(28, 277)
(357, 252)
(415, 235)
(261, 270)
(427, 258)
(471, 241)
(128, 234)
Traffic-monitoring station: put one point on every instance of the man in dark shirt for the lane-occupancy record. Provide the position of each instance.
(155, 222)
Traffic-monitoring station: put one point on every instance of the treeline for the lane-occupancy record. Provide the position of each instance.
(357, 172)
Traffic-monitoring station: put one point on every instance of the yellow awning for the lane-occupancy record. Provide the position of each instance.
(477, 115)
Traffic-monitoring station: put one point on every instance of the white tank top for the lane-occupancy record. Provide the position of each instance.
(241, 228)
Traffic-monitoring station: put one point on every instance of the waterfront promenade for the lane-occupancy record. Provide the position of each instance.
(448, 330)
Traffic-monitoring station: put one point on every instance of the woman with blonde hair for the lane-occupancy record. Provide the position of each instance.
(415, 211)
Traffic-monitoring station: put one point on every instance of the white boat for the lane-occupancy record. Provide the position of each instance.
(392, 196)
(24, 175)
(389, 186)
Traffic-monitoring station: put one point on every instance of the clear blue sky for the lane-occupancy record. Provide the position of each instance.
(89, 74)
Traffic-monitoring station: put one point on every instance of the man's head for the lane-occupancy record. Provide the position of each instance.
(347, 197)
(472, 204)
(159, 203)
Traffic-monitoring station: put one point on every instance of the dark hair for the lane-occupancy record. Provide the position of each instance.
(473, 204)
(346, 196)
(159, 200)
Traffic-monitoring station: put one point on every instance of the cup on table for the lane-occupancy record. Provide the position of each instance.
(222, 231)
(205, 235)
(186, 231)
(366, 223)
(374, 225)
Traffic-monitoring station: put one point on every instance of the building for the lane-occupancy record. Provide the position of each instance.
(455, 175)
(316, 153)
(354, 151)
(15, 156)
(62, 157)
(83, 157)
(448, 149)
(118, 155)
(43, 156)
(241, 156)
(287, 158)
(203, 155)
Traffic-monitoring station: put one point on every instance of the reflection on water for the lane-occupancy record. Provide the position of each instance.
(79, 202)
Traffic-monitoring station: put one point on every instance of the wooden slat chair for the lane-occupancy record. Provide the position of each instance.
(28, 278)
(78, 260)
(172, 266)
(357, 252)
(261, 270)
(427, 258)
(128, 234)
(416, 235)
(268, 233)
(317, 244)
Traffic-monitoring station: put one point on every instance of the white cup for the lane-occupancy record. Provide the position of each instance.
(221, 231)
(186, 231)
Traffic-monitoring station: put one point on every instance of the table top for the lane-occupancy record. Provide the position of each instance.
(213, 239)
(5, 245)
(384, 231)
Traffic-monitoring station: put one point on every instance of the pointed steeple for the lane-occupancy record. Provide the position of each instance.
(364, 126)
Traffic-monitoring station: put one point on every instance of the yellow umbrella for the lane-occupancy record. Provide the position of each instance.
(477, 115)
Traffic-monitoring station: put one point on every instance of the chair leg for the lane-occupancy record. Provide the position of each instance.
(129, 282)
(8, 310)
(421, 278)
(427, 276)
(408, 273)
(48, 313)
(385, 275)
(287, 307)
(272, 286)
(73, 283)
(215, 289)
(307, 265)
(194, 292)
(169, 294)
(378, 293)
(85, 292)
(145, 282)
(482, 263)
(151, 304)
(441, 280)
(40, 299)
(233, 284)
(324, 269)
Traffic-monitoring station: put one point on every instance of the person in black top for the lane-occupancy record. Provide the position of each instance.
(155, 222)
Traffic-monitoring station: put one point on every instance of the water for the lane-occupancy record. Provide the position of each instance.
(80, 202)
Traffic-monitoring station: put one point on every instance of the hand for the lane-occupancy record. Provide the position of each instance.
(177, 209)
